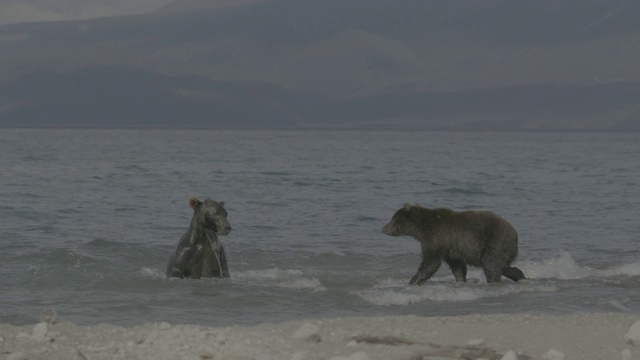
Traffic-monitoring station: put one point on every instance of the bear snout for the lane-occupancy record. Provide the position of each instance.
(390, 230)
(224, 230)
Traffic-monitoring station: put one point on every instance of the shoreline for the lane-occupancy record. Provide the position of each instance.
(498, 336)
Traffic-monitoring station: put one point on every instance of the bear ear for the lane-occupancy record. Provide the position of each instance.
(221, 203)
(193, 202)
(406, 207)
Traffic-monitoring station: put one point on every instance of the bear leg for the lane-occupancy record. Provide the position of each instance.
(513, 273)
(428, 267)
(492, 274)
(459, 270)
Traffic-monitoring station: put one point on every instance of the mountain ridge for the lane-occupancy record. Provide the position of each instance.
(342, 54)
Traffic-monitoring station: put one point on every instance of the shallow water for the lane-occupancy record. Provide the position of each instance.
(90, 217)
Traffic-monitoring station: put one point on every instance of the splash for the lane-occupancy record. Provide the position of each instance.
(564, 267)
(632, 269)
(541, 277)
(152, 273)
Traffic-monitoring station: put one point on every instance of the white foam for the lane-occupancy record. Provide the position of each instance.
(152, 273)
(618, 305)
(442, 288)
(632, 269)
(440, 292)
(564, 267)
(560, 267)
(268, 274)
(288, 279)
(312, 283)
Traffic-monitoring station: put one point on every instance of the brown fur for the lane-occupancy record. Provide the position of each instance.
(199, 252)
(476, 238)
(193, 201)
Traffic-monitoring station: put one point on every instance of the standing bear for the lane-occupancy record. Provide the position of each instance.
(199, 253)
(476, 238)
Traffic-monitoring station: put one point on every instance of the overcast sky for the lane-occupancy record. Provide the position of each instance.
(16, 11)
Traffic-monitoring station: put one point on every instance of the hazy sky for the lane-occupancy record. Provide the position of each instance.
(16, 11)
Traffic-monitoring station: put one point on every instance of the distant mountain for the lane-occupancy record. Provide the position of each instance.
(460, 64)
(186, 6)
(18, 11)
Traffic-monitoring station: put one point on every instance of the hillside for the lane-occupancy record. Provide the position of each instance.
(499, 64)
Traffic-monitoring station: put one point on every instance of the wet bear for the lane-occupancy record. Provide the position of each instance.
(199, 252)
(476, 238)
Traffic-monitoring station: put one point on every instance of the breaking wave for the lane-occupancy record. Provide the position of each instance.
(564, 267)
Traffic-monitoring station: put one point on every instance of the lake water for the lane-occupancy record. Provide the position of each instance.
(89, 219)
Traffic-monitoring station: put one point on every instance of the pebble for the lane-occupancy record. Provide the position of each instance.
(299, 356)
(23, 336)
(633, 334)
(164, 325)
(48, 316)
(205, 354)
(360, 355)
(554, 354)
(510, 355)
(236, 357)
(18, 355)
(40, 331)
(306, 331)
(475, 342)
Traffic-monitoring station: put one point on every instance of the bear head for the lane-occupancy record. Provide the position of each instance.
(401, 223)
(211, 215)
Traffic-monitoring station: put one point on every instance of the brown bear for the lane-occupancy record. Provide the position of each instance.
(199, 253)
(476, 238)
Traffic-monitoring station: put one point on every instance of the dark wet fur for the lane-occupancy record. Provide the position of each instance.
(199, 252)
(460, 239)
(513, 273)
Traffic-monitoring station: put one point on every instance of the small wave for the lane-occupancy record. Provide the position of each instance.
(404, 294)
(38, 158)
(152, 273)
(564, 267)
(632, 269)
(276, 173)
(269, 274)
(288, 279)
(313, 284)
(103, 243)
(132, 167)
(364, 218)
(467, 191)
(68, 258)
(120, 252)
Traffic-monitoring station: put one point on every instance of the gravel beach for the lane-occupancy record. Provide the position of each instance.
(500, 336)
